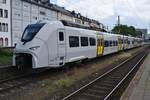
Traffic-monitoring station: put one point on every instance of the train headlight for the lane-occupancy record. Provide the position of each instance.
(34, 48)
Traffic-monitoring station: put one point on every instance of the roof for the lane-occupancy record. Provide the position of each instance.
(68, 23)
(62, 10)
(50, 6)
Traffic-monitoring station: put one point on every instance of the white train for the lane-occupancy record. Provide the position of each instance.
(55, 43)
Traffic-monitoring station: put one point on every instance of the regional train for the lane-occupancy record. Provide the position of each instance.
(55, 43)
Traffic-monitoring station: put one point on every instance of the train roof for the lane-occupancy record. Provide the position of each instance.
(71, 24)
(84, 28)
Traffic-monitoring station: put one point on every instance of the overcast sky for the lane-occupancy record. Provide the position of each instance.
(132, 12)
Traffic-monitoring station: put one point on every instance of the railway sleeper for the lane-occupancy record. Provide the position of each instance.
(106, 85)
(101, 87)
(88, 96)
(96, 91)
(110, 81)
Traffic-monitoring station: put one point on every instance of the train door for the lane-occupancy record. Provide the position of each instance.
(61, 46)
(127, 43)
(119, 43)
(100, 45)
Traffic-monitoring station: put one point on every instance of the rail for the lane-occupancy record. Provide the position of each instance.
(104, 86)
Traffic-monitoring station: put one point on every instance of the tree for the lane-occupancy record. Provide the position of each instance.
(126, 30)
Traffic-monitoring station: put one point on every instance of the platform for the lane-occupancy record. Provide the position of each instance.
(139, 88)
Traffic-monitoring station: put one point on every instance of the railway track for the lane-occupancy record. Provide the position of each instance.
(7, 85)
(10, 83)
(107, 85)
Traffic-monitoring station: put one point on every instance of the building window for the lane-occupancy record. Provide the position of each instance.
(92, 42)
(0, 27)
(5, 13)
(4, 1)
(6, 41)
(74, 41)
(1, 42)
(35, 18)
(3, 27)
(78, 21)
(1, 12)
(6, 27)
(82, 22)
(42, 13)
(84, 41)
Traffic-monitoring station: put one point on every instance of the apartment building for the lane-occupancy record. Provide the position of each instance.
(15, 15)
(5, 32)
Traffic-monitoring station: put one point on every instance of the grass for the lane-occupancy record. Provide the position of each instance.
(63, 83)
(47, 87)
(58, 84)
(5, 57)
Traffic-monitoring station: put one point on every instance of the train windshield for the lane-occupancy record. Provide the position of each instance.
(30, 32)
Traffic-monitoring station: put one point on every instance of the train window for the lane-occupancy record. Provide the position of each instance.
(84, 41)
(106, 44)
(92, 41)
(122, 41)
(114, 43)
(61, 36)
(128, 42)
(30, 32)
(74, 41)
(110, 43)
(132, 42)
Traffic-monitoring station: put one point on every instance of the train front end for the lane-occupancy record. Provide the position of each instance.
(30, 49)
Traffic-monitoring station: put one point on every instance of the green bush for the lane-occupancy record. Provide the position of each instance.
(5, 56)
